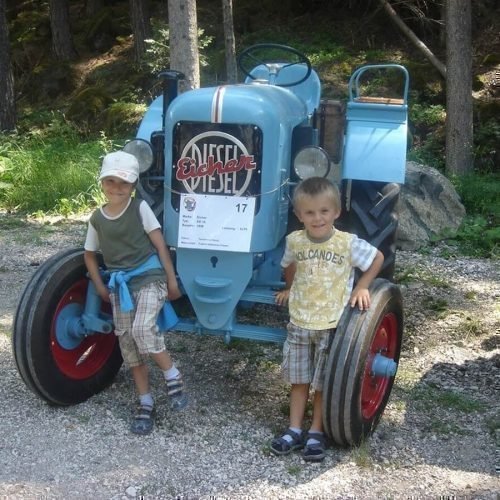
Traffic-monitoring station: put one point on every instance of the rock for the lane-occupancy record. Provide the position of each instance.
(428, 205)
(131, 491)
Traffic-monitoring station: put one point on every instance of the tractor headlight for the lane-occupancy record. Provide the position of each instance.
(311, 161)
(143, 151)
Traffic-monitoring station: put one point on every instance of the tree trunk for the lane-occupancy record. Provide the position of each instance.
(184, 57)
(459, 127)
(141, 26)
(62, 43)
(413, 38)
(230, 45)
(7, 101)
(92, 7)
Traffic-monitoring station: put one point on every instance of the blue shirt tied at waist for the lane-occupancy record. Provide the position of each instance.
(167, 317)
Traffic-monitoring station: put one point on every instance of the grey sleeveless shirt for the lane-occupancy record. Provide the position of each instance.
(125, 245)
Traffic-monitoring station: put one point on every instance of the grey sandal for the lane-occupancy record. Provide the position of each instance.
(143, 422)
(281, 446)
(177, 393)
(314, 452)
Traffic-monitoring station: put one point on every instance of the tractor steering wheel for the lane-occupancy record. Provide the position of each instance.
(255, 55)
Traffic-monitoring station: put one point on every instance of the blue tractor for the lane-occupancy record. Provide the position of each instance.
(218, 167)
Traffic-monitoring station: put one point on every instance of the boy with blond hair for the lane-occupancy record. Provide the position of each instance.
(319, 263)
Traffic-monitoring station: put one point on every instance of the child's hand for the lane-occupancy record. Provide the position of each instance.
(361, 297)
(173, 291)
(281, 297)
(103, 292)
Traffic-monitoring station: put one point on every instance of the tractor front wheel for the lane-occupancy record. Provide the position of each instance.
(365, 345)
(61, 375)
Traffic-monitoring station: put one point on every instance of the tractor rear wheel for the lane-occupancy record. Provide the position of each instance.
(369, 210)
(354, 397)
(58, 375)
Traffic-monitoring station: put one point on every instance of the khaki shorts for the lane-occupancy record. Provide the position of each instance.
(304, 356)
(136, 330)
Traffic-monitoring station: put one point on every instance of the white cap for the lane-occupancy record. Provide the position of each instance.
(120, 164)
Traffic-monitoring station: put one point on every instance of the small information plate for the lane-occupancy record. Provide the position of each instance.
(216, 222)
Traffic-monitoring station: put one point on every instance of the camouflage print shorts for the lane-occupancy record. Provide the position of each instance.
(136, 330)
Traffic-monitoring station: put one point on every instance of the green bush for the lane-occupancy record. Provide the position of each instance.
(486, 145)
(479, 194)
(479, 233)
(478, 237)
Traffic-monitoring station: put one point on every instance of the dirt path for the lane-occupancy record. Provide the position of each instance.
(438, 436)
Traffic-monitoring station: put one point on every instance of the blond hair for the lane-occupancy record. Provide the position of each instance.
(314, 186)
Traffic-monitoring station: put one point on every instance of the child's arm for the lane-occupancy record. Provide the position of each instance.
(90, 259)
(360, 295)
(282, 296)
(156, 238)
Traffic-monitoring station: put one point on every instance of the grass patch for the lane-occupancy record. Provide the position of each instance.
(407, 276)
(415, 275)
(265, 449)
(443, 428)
(436, 281)
(399, 405)
(493, 426)
(430, 397)
(251, 349)
(469, 328)
(179, 347)
(436, 305)
(31, 239)
(294, 470)
(269, 366)
(284, 409)
(51, 169)
(406, 379)
(5, 332)
(9, 222)
(361, 456)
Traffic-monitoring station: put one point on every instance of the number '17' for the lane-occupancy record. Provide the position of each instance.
(241, 207)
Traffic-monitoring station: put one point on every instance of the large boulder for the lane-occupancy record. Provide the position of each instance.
(428, 205)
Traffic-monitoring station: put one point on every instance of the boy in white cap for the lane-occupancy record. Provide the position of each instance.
(128, 234)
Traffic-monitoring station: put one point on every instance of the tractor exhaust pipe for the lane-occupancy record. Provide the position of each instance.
(170, 79)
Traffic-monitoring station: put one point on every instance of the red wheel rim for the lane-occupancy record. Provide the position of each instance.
(374, 388)
(94, 351)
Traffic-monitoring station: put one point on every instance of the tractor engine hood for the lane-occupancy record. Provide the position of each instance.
(258, 104)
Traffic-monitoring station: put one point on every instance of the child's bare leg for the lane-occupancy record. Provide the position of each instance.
(315, 444)
(317, 419)
(298, 400)
(292, 438)
(144, 418)
(163, 360)
(175, 384)
(141, 378)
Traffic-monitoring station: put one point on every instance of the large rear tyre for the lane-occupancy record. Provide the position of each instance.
(369, 210)
(353, 397)
(61, 376)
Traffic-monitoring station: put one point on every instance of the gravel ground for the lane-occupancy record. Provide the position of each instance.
(436, 438)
